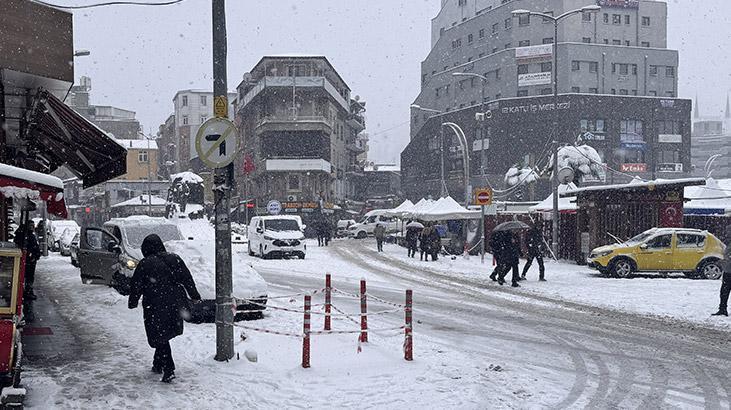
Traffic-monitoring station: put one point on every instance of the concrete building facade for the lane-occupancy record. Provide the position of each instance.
(119, 122)
(299, 128)
(711, 141)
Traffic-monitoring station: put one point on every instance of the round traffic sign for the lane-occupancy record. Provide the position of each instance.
(215, 142)
(483, 197)
(274, 207)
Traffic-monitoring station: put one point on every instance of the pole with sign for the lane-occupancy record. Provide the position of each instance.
(216, 147)
(483, 197)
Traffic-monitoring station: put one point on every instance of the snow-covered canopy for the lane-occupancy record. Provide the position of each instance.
(564, 203)
(443, 210)
(31, 176)
(141, 200)
(405, 207)
(187, 176)
(712, 199)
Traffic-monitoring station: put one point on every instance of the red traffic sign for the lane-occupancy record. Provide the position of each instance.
(483, 196)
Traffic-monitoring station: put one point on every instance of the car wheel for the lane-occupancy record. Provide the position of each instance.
(301, 255)
(710, 270)
(261, 252)
(622, 268)
(361, 235)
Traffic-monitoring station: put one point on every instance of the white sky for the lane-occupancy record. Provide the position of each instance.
(142, 55)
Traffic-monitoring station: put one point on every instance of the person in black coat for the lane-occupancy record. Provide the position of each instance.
(511, 259)
(535, 251)
(726, 281)
(498, 245)
(412, 240)
(435, 243)
(25, 239)
(165, 284)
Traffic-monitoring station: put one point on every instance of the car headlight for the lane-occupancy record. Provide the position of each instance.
(601, 254)
(268, 238)
(130, 263)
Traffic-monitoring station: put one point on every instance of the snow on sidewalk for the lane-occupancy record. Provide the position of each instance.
(673, 297)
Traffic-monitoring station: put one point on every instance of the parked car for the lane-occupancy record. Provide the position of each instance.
(341, 230)
(365, 227)
(56, 228)
(74, 250)
(693, 252)
(277, 236)
(64, 241)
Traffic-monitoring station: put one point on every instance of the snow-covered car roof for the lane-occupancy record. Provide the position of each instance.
(676, 230)
(138, 220)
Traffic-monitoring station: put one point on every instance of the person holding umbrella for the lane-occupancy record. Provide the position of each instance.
(535, 250)
(413, 229)
(510, 257)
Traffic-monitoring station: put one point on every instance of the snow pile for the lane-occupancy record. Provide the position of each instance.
(30, 176)
(187, 176)
(19, 193)
(516, 176)
(141, 200)
(583, 159)
(564, 203)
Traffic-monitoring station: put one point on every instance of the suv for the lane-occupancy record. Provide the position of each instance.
(276, 236)
(365, 227)
(693, 252)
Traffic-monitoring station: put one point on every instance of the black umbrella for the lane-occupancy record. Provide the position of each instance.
(511, 226)
(414, 225)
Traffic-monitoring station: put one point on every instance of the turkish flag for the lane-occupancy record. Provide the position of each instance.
(249, 166)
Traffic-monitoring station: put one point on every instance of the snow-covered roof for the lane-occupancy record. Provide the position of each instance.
(636, 184)
(714, 196)
(444, 209)
(141, 200)
(188, 177)
(564, 203)
(402, 209)
(30, 176)
(138, 144)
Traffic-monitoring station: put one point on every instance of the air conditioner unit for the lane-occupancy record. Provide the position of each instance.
(291, 198)
(479, 116)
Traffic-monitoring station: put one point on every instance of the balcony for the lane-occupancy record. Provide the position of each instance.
(295, 82)
(297, 123)
(356, 122)
(353, 147)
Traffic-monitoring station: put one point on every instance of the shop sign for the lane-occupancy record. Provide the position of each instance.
(525, 80)
(534, 52)
(634, 168)
(535, 108)
(670, 138)
(669, 167)
(625, 4)
(667, 103)
(590, 136)
(633, 145)
(481, 144)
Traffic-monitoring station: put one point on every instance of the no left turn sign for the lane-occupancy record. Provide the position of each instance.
(215, 142)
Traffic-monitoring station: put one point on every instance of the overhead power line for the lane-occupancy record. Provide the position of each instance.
(110, 3)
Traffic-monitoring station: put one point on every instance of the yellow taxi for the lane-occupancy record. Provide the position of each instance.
(693, 252)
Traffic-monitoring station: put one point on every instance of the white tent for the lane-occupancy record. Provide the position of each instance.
(444, 209)
(403, 209)
(564, 204)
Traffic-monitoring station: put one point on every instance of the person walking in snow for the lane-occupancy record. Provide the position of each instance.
(412, 239)
(498, 245)
(165, 285)
(511, 260)
(435, 243)
(535, 251)
(380, 233)
(726, 283)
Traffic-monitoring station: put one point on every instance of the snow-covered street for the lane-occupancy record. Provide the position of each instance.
(477, 345)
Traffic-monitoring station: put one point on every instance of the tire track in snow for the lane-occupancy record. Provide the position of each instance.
(581, 374)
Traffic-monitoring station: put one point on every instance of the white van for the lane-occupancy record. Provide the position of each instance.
(277, 235)
(365, 227)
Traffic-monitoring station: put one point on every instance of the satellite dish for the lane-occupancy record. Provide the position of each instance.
(565, 175)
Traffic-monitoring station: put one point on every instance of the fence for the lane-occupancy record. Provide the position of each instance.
(358, 319)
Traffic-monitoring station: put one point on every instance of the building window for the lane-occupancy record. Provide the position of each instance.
(204, 100)
(606, 18)
(495, 50)
(670, 72)
(626, 19)
(185, 120)
(631, 131)
(670, 94)
(623, 69)
(524, 20)
(494, 28)
(470, 38)
(646, 44)
(436, 92)
(522, 93)
(523, 69)
(593, 91)
(593, 66)
(185, 101)
(633, 92)
(498, 96)
(586, 40)
(575, 65)
(548, 40)
(508, 24)
(293, 182)
(497, 73)
(668, 127)
(142, 157)
(614, 91)
(481, 55)
(469, 59)
(645, 21)
(595, 126)
(472, 82)
(481, 33)
(462, 2)
(546, 67)
(575, 89)
(668, 157)
(508, 45)
(546, 91)
(606, 41)
(616, 42)
(627, 43)
(585, 16)
(616, 19)
(524, 43)
(653, 70)
(203, 118)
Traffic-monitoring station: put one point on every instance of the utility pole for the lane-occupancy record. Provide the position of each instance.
(222, 182)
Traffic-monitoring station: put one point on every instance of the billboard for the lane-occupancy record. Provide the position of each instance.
(534, 52)
(525, 80)
(634, 168)
(625, 4)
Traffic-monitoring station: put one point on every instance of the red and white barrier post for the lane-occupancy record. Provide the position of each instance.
(306, 333)
(328, 300)
(363, 312)
(408, 330)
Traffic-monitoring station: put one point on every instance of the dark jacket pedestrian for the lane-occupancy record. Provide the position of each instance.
(510, 260)
(435, 243)
(726, 283)
(412, 240)
(425, 243)
(26, 240)
(498, 245)
(165, 285)
(380, 233)
(534, 244)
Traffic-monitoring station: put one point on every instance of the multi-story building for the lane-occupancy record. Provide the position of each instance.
(142, 161)
(299, 127)
(166, 147)
(192, 108)
(712, 138)
(119, 122)
(608, 61)
(380, 182)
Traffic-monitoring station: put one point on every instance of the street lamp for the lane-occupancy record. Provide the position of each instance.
(554, 129)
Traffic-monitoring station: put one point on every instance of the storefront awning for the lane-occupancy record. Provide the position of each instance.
(20, 183)
(60, 136)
